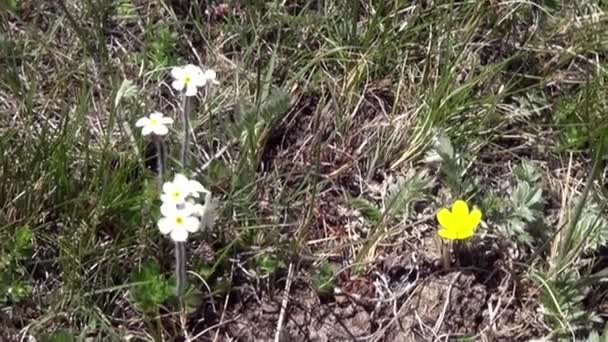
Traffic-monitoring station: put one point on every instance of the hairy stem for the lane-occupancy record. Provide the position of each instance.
(180, 268)
(446, 253)
(180, 248)
(186, 132)
(160, 160)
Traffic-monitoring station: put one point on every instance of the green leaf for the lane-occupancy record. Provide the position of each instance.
(403, 191)
(9, 5)
(151, 288)
(23, 242)
(369, 211)
(324, 281)
(127, 90)
(525, 205)
(592, 228)
(58, 336)
(193, 300)
(18, 291)
(268, 264)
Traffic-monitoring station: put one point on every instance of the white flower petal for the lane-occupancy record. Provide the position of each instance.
(180, 180)
(177, 73)
(191, 224)
(156, 115)
(166, 121)
(168, 209)
(192, 70)
(178, 84)
(199, 81)
(165, 226)
(210, 74)
(160, 130)
(168, 187)
(146, 130)
(166, 198)
(198, 210)
(179, 234)
(195, 186)
(142, 122)
(191, 90)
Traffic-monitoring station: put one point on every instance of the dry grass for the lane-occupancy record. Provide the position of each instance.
(316, 143)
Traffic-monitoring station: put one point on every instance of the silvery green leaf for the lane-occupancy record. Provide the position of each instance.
(127, 90)
(209, 212)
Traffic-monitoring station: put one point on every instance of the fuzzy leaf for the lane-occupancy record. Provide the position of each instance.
(151, 289)
(369, 211)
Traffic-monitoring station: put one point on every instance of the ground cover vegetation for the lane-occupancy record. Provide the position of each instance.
(289, 170)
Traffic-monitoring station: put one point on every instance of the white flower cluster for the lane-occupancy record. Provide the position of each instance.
(181, 213)
(191, 77)
(188, 78)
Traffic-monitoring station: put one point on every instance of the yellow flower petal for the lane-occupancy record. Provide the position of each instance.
(448, 234)
(464, 234)
(444, 217)
(473, 220)
(460, 211)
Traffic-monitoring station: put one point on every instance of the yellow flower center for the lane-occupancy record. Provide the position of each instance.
(176, 194)
(179, 220)
(187, 79)
(153, 122)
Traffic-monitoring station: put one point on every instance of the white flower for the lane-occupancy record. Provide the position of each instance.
(177, 191)
(155, 123)
(189, 77)
(178, 222)
(211, 76)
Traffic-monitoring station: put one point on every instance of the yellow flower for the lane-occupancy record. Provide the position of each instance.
(458, 224)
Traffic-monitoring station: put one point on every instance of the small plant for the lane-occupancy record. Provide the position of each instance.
(150, 289)
(324, 281)
(595, 336)
(12, 284)
(581, 116)
(181, 214)
(401, 192)
(452, 166)
(159, 46)
(562, 303)
(456, 225)
(525, 204)
(591, 230)
(268, 264)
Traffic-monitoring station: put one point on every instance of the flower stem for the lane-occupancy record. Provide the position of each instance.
(446, 256)
(180, 248)
(160, 160)
(180, 268)
(186, 132)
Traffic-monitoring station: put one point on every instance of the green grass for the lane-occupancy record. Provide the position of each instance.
(317, 144)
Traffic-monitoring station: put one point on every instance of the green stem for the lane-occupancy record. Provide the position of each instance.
(180, 247)
(160, 160)
(180, 268)
(186, 132)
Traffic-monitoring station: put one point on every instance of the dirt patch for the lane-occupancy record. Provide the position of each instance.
(306, 319)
